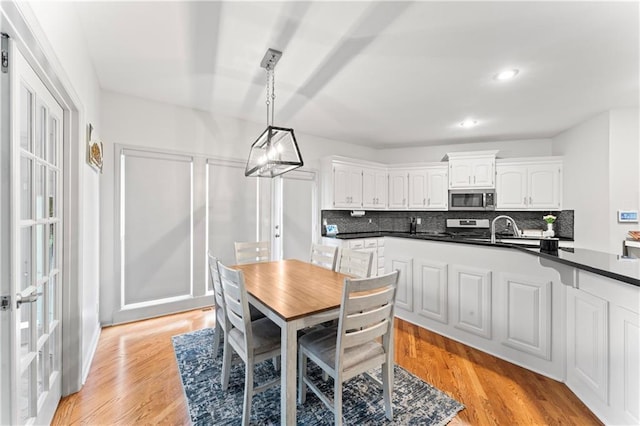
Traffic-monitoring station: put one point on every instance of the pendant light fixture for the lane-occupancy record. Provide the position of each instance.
(275, 151)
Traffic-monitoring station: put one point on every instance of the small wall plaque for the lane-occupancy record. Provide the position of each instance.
(94, 150)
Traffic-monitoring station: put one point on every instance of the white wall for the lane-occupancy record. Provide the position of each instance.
(61, 27)
(601, 176)
(132, 121)
(507, 149)
(624, 174)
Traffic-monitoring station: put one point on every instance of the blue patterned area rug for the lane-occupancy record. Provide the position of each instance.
(415, 402)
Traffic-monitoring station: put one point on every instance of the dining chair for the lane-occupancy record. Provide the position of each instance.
(251, 252)
(253, 341)
(324, 256)
(354, 347)
(220, 328)
(354, 262)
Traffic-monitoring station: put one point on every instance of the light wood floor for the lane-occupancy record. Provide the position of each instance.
(134, 379)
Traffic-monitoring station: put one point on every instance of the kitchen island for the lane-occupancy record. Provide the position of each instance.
(571, 315)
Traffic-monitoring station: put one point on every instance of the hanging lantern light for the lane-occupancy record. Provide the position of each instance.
(276, 150)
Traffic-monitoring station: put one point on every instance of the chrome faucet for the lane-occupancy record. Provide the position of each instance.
(516, 230)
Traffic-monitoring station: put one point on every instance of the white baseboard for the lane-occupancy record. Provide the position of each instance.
(87, 359)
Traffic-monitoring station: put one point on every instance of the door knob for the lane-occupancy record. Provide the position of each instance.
(26, 299)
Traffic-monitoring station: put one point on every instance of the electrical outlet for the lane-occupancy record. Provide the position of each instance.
(419, 221)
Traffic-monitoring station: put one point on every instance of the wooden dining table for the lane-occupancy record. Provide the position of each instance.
(295, 295)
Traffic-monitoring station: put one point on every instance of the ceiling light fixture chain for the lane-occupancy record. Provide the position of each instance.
(273, 94)
(268, 100)
(275, 151)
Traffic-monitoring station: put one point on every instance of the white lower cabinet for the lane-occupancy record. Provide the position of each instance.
(431, 289)
(565, 323)
(587, 351)
(525, 314)
(498, 300)
(370, 245)
(471, 299)
(480, 297)
(404, 293)
(603, 347)
(625, 365)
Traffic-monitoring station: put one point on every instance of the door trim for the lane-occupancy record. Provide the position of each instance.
(19, 21)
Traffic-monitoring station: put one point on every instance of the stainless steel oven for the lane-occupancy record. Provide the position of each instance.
(472, 199)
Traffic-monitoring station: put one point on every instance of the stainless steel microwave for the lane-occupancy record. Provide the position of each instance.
(472, 199)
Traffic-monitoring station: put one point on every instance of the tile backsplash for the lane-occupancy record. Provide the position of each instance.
(398, 221)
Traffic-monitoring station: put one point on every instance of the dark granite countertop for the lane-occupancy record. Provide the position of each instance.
(608, 265)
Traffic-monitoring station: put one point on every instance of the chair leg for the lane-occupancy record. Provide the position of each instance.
(217, 334)
(248, 393)
(226, 364)
(276, 362)
(302, 373)
(387, 388)
(337, 400)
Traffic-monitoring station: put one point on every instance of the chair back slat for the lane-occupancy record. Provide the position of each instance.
(252, 252)
(366, 319)
(354, 262)
(324, 256)
(358, 337)
(237, 305)
(366, 301)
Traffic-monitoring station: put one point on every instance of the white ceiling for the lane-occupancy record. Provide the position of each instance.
(376, 73)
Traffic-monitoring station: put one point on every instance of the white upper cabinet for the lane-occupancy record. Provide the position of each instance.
(418, 184)
(472, 169)
(428, 188)
(437, 186)
(353, 185)
(347, 186)
(532, 184)
(375, 187)
(398, 189)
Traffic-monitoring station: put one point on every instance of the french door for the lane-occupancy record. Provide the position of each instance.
(30, 328)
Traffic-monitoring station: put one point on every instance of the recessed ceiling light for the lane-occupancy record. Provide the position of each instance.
(469, 123)
(507, 74)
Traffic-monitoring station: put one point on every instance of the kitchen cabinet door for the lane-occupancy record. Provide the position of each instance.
(587, 347)
(418, 189)
(483, 173)
(347, 186)
(374, 188)
(544, 183)
(437, 188)
(524, 309)
(470, 292)
(511, 187)
(430, 286)
(398, 190)
(625, 366)
(404, 293)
